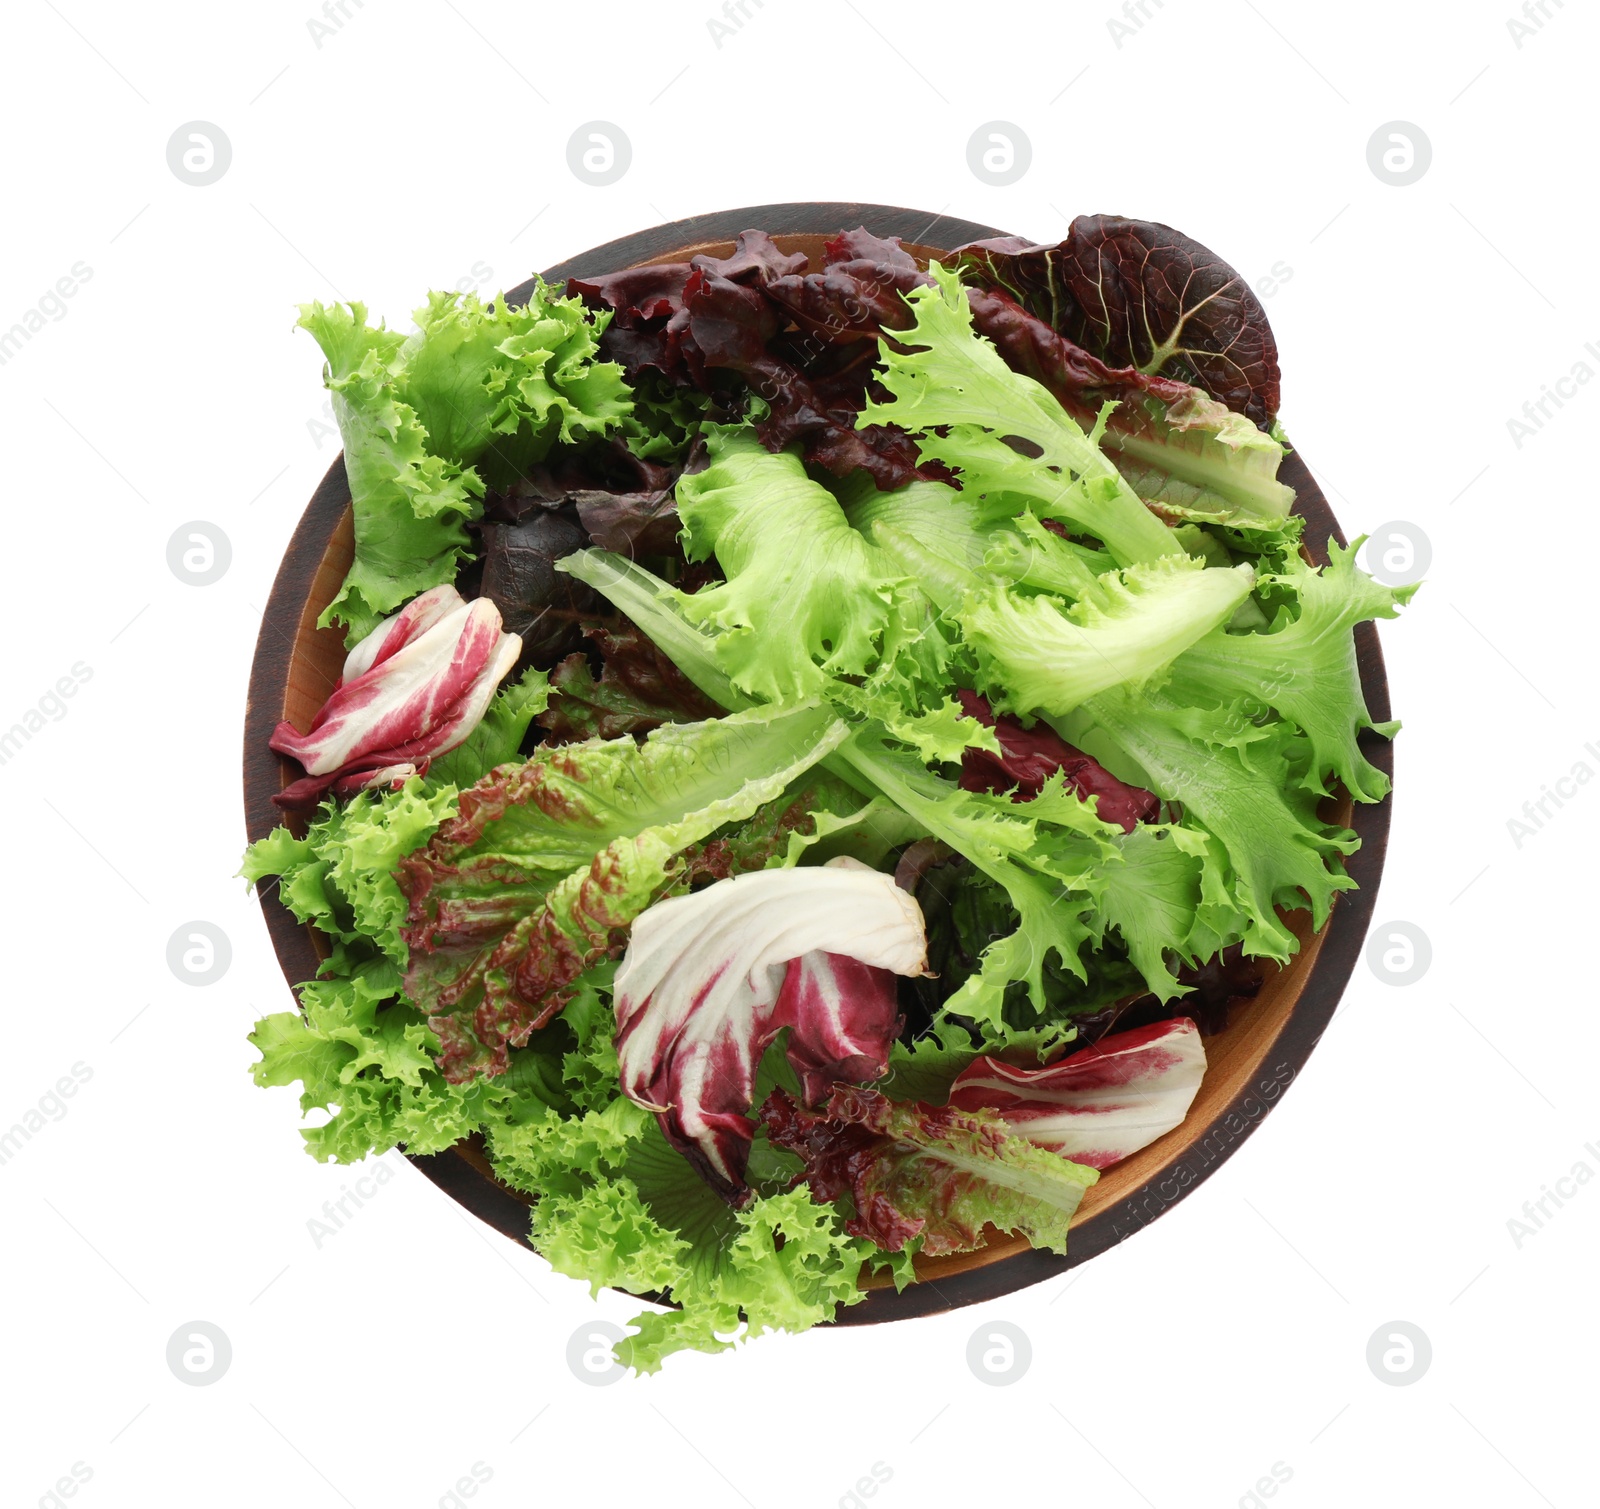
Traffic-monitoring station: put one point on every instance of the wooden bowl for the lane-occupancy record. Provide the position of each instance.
(1249, 1064)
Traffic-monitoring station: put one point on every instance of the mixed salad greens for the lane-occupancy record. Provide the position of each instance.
(817, 753)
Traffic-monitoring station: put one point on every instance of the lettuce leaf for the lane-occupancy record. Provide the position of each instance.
(340, 876)
(409, 503)
(520, 894)
(953, 386)
(1235, 783)
(498, 736)
(475, 383)
(802, 600)
(1304, 666)
(1033, 657)
(368, 1058)
(930, 1174)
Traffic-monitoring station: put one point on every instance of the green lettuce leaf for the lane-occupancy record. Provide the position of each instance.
(1199, 459)
(475, 383)
(1034, 657)
(952, 386)
(1235, 782)
(367, 1057)
(498, 386)
(802, 599)
(1304, 666)
(409, 503)
(498, 737)
(340, 876)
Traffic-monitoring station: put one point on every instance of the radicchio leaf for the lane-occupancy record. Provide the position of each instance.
(414, 687)
(710, 979)
(1030, 756)
(1100, 1104)
(934, 1174)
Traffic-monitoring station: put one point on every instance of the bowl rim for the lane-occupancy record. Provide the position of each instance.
(463, 1174)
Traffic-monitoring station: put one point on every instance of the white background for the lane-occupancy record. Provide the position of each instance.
(421, 141)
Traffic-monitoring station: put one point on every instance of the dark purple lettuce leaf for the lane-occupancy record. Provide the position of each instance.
(644, 302)
(1030, 756)
(858, 293)
(639, 688)
(630, 524)
(535, 600)
(1139, 294)
(756, 261)
(1216, 987)
(716, 319)
(1079, 380)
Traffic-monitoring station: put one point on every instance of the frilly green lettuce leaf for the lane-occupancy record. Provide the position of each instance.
(1033, 657)
(1304, 666)
(802, 599)
(409, 502)
(368, 1058)
(951, 386)
(340, 876)
(1274, 850)
(475, 383)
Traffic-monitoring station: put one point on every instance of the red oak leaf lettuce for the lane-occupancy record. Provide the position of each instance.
(935, 1175)
(692, 321)
(1140, 294)
(1030, 756)
(545, 861)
